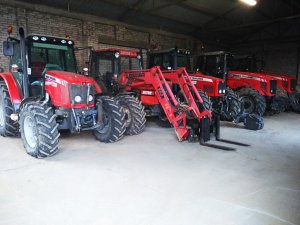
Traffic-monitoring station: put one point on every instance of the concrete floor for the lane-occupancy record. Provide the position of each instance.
(151, 179)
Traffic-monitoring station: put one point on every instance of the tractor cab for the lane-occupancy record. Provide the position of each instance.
(43, 53)
(214, 63)
(170, 59)
(106, 66)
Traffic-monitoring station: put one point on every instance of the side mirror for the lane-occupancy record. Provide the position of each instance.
(8, 48)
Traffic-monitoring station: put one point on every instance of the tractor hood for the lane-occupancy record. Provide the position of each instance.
(68, 77)
(256, 76)
(279, 76)
(203, 77)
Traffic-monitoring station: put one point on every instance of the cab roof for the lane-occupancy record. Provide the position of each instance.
(50, 39)
(123, 52)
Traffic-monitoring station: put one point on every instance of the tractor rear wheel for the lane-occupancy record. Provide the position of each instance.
(135, 115)
(113, 119)
(8, 127)
(252, 101)
(39, 129)
(232, 106)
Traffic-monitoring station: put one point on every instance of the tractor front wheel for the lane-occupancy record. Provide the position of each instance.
(252, 101)
(39, 129)
(206, 101)
(295, 102)
(113, 121)
(232, 106)
(8, 127)
(135, 115)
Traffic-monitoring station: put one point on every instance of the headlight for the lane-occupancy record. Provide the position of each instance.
(138, 57)
(224, 91)
(91, 98)
(77, 99)
(220, 91)
(117, 54)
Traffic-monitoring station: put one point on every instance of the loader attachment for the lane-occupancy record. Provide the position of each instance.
(190, 118)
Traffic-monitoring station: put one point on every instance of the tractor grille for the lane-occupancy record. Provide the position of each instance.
(263, 85)
(293, 84)
(80, 90)
(273, 86)
(208, 89)
(285, 84)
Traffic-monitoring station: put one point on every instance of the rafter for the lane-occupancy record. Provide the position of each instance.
(253, 24)
(136, 6)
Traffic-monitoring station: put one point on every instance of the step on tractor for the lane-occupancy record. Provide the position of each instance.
(256, 91)
(286, 84)
(121, 73)
(42, 94)
(225, 103)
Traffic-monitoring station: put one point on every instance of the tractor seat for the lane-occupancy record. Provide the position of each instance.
(37, 68)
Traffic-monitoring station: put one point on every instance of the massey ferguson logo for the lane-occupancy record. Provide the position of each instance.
(51, 80)
(244, 76)
(201, 79)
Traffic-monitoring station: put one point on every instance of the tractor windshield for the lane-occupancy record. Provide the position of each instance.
(183, 61)
(212, 65)
(246, 63)
(128, 63)
(43, 56)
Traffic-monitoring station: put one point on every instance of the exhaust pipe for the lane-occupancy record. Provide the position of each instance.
(25, 85)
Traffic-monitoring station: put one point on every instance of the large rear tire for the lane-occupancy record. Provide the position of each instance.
(113, 119)
(39, 129)
(135, 115)
(8, 127)
(252, 101)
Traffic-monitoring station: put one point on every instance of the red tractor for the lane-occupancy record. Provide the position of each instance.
(42, 94)
(286, 85)
(255, 91)
(105, 67)
(121, 73)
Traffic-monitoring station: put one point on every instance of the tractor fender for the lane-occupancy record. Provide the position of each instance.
(130, 93)
(12, 86)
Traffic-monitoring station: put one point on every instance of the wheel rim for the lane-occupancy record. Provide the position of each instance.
(127, 116)
(30, 131)
(249, 104)
(2, 115)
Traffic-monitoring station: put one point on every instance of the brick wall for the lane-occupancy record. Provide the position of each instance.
(83, 30)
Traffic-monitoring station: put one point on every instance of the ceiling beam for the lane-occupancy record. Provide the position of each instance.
(150, 13)
(292, 38)
(170, 3)
(221, 16)
(287, 18)
(196, 9)
(292, 4)
(136, 6)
